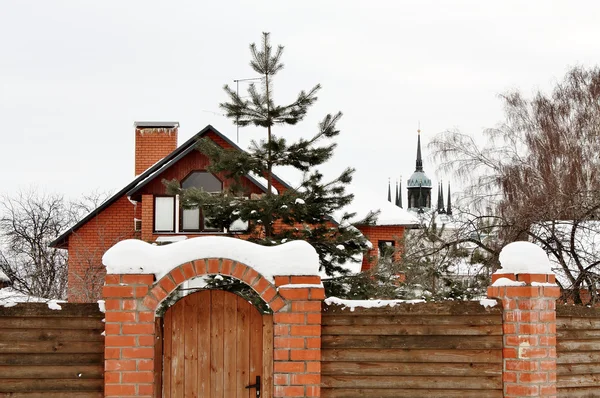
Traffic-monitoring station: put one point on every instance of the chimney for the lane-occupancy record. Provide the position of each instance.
(153, 141)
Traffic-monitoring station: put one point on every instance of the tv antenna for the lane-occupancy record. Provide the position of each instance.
(237, 92)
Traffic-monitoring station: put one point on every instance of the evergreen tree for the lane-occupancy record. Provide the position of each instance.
(301, 213)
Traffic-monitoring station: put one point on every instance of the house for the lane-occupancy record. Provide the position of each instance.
(144, 210)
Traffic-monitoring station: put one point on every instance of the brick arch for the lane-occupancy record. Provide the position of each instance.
(214, 266)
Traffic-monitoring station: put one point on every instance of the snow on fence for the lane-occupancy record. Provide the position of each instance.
(578, 349)
(51, 353)
(444, 350)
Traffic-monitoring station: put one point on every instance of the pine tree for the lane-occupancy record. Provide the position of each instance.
(305, 211)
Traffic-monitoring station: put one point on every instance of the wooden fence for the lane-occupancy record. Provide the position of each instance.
(51, 353)
(434, 350)
(578, 350)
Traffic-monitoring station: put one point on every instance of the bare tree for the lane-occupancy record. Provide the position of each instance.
(30, 221)
(540, 173)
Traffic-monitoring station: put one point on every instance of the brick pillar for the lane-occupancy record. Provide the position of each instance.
(147, 217)
(297, 337)
(129, 341)
(529, 325)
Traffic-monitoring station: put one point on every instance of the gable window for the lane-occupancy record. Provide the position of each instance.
(193, 220)
(164, 213)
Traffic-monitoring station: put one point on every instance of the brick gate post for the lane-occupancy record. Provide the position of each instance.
(297, 337)
(130, 337)
(528, 292)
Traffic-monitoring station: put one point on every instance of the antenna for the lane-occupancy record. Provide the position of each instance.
(237, 92)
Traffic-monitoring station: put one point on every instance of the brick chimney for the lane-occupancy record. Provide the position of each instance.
(153, 141)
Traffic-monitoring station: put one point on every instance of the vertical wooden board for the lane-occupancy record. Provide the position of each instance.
(167, 352)
(158, 356)
(204, 327)
(256, 345)
(267, 362)
(243, 348)
(178, 347)
(191, 346)
(229, 344)
(216, 344)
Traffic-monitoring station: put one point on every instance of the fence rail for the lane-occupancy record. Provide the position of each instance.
(51, 353)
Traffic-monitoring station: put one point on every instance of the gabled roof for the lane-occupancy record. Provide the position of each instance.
(152, 172)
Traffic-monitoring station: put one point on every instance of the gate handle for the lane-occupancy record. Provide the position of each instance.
(257, 386)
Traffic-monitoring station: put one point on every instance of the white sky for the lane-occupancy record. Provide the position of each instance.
(75, 75)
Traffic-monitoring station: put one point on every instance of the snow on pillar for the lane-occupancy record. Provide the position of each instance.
(526, 286)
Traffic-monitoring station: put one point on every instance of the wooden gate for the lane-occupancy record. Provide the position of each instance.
(215, 345)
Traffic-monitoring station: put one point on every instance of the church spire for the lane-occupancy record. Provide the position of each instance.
(419, 159)
(400, 194)
(396, 197)
(449, 207)
(389, 191)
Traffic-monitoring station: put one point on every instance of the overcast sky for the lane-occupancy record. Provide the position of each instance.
(75, 75)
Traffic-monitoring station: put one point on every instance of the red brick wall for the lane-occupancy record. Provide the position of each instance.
(151, 145)
(376, 233)
(88, 244)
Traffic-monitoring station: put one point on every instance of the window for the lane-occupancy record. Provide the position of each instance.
(164, 213)
(193, 220)
(386, 248)
(169, 216)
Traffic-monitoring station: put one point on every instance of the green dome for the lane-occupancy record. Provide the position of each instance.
(419, 178)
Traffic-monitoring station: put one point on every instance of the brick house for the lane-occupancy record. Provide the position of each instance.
(144, 210)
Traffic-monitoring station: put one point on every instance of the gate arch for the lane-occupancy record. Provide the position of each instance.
(214, 266)
(133, 362)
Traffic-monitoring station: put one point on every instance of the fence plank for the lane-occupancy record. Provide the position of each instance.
(414, 330)
(408, 393)
(51, 323)
(52, 372)
(363, 354)
(413, 342)
(346, 319)
(405, 369)
(412, 381)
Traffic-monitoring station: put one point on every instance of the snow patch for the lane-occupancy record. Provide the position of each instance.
(488, 302)
(524, 258)
(546, 284)
(300, 201)
(352, 304)
(3, 277)
(170, 239)
(53, 305)
(389, 213)
(134, 256)
(101, 305)
(238, 225)
(301, 285)
(10, 297)
(507, 282)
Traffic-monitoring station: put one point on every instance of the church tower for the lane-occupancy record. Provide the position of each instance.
(419, 185)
